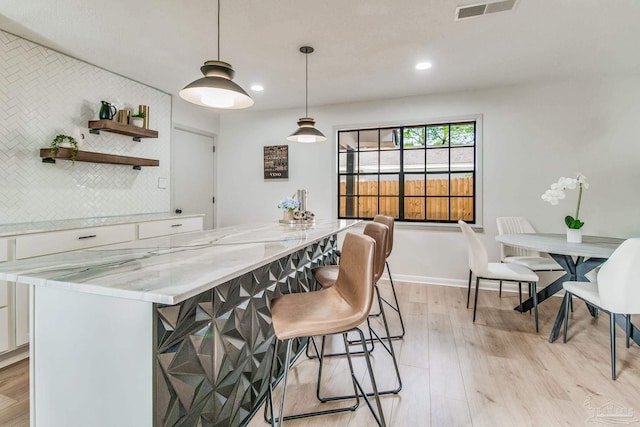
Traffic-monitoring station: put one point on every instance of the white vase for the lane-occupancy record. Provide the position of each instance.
(574, 235)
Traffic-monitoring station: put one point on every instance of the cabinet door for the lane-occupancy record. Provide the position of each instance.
(4, 329)
(3, 293)
(22, 313)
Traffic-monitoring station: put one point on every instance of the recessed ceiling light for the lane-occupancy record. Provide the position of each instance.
(257, 87)
(423, 65)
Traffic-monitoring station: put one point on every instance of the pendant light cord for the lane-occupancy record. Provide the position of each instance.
(218, 30)
(306, 85)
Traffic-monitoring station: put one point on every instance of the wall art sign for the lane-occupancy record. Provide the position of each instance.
(276, 161)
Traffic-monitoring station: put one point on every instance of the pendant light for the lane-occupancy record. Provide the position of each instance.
(306, 132)
(216, 89)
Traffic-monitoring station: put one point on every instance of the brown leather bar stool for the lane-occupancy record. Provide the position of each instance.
(336, 310)
(379, 233)
(389, 222)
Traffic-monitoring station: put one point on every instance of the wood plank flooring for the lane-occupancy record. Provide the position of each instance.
(498, 372)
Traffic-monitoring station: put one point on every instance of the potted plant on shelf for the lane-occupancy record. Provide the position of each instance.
(138, 120)
(63, 139)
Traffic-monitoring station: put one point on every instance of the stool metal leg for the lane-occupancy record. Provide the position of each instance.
(612, 328)
(475, 301)
(469, 287)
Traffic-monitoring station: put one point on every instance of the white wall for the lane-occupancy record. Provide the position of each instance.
(532, 135)
(44, 93)
(191, 116)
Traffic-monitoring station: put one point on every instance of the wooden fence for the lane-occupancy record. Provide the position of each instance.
(438, 198)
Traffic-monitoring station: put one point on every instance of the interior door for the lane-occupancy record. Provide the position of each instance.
(192, 171)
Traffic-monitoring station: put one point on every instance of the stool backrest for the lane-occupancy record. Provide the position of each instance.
(514, 225)
(619, 279)
(478, 259)
(388, 221)
(380, 233)
(355, 276)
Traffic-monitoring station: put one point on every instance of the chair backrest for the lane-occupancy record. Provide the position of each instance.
(478, 259)
(514, 225)
(380, 233)
(619, 279)
(388, 221)
(355, 274)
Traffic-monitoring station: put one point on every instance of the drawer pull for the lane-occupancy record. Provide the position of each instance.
(91, 236)
(176, 225)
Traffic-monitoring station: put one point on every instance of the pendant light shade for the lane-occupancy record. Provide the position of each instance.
(306, 132)
(217, 89)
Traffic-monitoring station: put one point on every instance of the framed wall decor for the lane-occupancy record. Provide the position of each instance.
(276, 161)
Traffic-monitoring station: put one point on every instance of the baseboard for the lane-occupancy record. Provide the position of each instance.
(14, 356)
(491, 285)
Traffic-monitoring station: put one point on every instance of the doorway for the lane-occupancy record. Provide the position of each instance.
(192, 164)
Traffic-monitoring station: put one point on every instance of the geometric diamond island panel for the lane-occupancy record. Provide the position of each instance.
(44, 93)
(213, 355)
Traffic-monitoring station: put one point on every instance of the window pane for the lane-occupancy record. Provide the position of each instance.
(438, 185)
(347, 140)
(438, 135)
(414, 185)
(348, 207)
(368, 185)
(389, 206)
(463, 133)
(390, 161)
(389, 185)
(348, 162)
(414, 208)
(462, 158)
(390, 139)
(414, 160)
(348, 185)
(462, 184)
(462, 208)
(368, 162)
(438, 208)
(367, 207)
(414, 137)
(368, 140)
(438, 159)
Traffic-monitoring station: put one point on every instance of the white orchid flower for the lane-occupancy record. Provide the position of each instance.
(557, 192)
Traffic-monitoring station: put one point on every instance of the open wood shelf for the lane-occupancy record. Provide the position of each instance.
(95, 126)
(88, 156)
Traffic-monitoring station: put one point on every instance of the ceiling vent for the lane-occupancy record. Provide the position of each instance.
(471, 11)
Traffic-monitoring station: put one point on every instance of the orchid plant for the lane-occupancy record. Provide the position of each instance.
(557, 192)
(289, 204)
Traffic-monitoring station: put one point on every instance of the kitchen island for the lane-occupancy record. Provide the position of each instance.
(166, 331)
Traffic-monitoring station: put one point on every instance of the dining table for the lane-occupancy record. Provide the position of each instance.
(576, 259)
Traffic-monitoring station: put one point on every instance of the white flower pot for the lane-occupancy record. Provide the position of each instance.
(137, 121)
(574, 235)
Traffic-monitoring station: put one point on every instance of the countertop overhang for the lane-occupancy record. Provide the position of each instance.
(168, 270)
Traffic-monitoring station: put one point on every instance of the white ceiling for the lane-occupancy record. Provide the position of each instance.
(365, 49)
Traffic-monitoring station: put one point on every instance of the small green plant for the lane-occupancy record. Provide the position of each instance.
(139, 115)
(58, 141)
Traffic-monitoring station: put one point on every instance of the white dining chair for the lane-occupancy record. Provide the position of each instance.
(615, 291)
(480, 266)
(535, 261)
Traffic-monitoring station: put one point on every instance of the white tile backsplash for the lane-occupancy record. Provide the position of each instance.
(44, 93)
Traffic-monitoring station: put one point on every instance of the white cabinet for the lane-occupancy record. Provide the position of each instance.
(4, 329)
(70, 240)
(150, 229)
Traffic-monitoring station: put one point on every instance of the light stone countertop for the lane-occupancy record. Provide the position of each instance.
(69, 224)
(168, 270)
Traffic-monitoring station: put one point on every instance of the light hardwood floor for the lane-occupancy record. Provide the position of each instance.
(498, 372)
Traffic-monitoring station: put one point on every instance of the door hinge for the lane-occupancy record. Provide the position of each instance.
(214, 148)
(213, 200)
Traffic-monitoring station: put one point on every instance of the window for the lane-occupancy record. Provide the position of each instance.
(424, 173)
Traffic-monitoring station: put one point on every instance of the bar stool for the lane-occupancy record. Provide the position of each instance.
(389, 222)
(336, 310)
(379, 233)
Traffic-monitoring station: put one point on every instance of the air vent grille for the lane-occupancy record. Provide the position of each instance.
(471, 11)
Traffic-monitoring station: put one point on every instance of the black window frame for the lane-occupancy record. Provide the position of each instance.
(352, 200)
